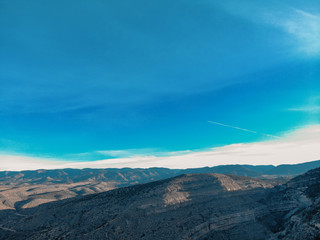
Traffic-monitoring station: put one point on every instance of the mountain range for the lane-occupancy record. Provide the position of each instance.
(188, 206)
(27, 189)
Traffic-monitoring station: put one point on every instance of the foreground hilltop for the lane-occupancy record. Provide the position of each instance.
(190, 206)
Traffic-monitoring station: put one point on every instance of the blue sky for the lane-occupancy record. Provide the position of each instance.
(90, 80)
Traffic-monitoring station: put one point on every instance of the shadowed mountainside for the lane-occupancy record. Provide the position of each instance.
(192, 206)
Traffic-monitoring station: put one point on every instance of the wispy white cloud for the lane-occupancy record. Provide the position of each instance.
(305, 28)
(301, 24)
(298, 146)
(302, 29)
(123, 153)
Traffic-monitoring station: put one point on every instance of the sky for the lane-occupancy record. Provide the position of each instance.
(158, 83)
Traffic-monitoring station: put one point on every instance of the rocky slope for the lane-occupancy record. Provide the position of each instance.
(297, 208)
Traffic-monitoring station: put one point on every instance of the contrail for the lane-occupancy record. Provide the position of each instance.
(243, 129)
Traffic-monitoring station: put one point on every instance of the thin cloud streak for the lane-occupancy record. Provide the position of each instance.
(310, 109)
(243, 129)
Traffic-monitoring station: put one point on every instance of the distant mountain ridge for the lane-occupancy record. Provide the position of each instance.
(259, 170)
(139, 175)
(69, 175)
